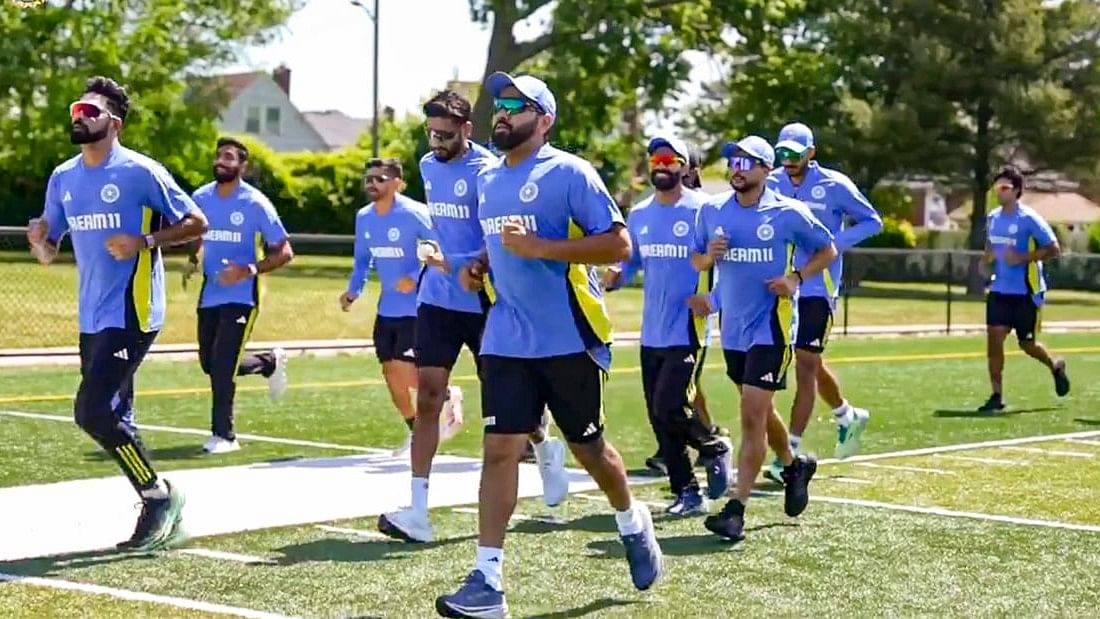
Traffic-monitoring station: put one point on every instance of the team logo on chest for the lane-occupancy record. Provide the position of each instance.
(528, 192)
(460, 187)
(236, 218)
(765, 232)
(1012, 229)
(393, 235)
(818, 192)
(109, 193)
(680, 228)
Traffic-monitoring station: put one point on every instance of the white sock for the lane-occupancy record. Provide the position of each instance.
(490, 562)
(158, 491)
(843, 413)
(796, 442)
(542, 450)
(629, 520)
(420, 495)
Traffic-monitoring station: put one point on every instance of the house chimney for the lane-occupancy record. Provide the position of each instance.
(281, 75)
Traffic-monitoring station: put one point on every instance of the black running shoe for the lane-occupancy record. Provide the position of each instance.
(796, 484)
(993, 404)
(728, 523)
(1061, 381)
(656, 465)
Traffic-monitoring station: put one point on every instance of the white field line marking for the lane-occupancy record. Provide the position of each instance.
(356, 532)
(994, 461)
(848, 480)
(1082, 441)
(516, 517)
(1051, 452)
(197, 432)
(927, 451)
(911, 469)
(224, 556)
(948, 513)
(139, 596)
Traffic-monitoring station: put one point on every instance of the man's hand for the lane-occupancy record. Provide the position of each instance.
(611, 278)
(405, 285)
(346, 299)
(472, 276)
(1013, 257)
(699, 304)
(435, 258)
(784, 285)
(718, 248)
(37, 233)
(189, 271)
(125, 246)
(517, 239)
(233, 273)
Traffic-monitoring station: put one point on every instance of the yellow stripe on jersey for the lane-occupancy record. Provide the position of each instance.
(258, 286)
(141, 283)
(490, 292)
(699, 323)
(592, 306)
(784, 306)
(830, 286)
(247, 334)
(1032, 269)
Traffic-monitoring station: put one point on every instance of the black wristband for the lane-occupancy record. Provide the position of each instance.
(798, 274)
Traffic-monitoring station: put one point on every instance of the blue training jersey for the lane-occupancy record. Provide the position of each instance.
(662, 236)
(128, 193)
(1024, 230)
(545, 308)
(387, 243)
(242, 224)
(451, 189)
(762, 240)
(831, 196)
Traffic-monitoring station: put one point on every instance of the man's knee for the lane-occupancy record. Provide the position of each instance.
(95, 419)
(503, 449)
(807, 364)
(431, 391)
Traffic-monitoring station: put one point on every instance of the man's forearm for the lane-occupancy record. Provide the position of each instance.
(819, 261)
(281, 255)
(189, 228)
(607, 248)
(701, 262)
(1050, 251)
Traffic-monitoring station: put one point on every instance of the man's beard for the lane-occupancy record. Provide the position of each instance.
(507, 140)
(79, 133)
(664, 181)
(224, 176)
(746, 185)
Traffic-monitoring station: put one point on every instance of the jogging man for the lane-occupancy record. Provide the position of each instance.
(832, 197)
(1018, 240)
(119, 207)
(448, 316)
(672, 354)
(388, 232)
(546, 216)
(751, 235)
(246, 238)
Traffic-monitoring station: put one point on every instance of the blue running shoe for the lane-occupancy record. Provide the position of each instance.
(475, 598)
(718, 475)
(643, 553)
(689, 503)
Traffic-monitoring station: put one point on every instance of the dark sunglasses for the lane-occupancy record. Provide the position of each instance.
(442, 136)
(87, 109)
(742, 163)
(786, 154)
(376, 178)
(513, 105)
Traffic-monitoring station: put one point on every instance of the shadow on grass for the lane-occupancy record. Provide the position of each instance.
(587, 609)
(976, 414)
(343, 550)
(1087, 422)
(56, 565)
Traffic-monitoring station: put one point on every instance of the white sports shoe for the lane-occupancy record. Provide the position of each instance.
(450, 418)
(555, 479)
(277, 382)
(218, 445)
(407, 525)
(405, 447)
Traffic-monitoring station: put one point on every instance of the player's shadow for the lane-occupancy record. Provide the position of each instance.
(593, 523)
(156, 454)
(342, 550)
(55, 565)
(976, 414)
(684, 545)
(1087, 422)
(587, 609)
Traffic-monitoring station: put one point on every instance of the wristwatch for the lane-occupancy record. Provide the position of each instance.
(797, 274)
(150, 241)
(252, 269)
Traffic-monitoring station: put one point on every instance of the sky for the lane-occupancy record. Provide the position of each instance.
(328, 46)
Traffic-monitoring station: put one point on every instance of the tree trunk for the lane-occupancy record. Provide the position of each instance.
(982, 150)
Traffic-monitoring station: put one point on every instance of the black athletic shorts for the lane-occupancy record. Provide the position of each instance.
(516, 391)
(441, 333)
(763, 366)
(395, 338)
(1015, 311)
(815, 321)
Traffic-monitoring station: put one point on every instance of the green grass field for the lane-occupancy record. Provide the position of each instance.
(863, 548)
(301, 303)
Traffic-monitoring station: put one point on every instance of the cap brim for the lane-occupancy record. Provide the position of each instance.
(729, 149)
(656, 143)
(792, 145)
(497, 82)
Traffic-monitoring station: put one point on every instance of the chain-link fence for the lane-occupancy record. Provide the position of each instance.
(929, 289)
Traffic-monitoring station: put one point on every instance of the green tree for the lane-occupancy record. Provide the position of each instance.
(151, 47)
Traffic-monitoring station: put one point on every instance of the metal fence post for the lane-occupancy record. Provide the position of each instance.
(950, 278)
